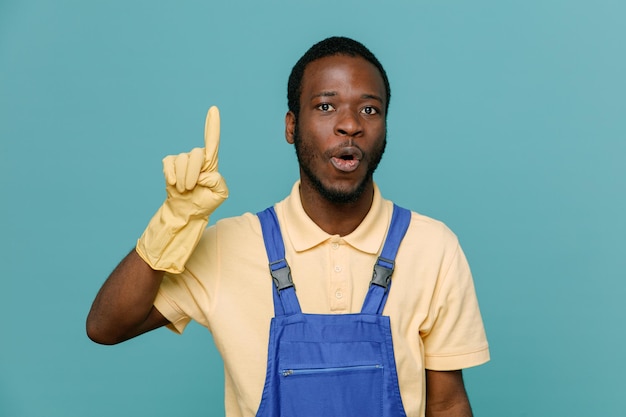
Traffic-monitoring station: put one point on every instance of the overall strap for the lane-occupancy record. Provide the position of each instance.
(383, 268)
(285, 299)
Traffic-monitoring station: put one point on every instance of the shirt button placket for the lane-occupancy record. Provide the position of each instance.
(337, 294)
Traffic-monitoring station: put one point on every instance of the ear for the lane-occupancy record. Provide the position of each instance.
(290, 127)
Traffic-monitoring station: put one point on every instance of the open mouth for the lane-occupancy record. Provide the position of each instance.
(347, 159)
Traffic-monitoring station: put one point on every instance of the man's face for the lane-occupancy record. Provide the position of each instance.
(340, 134)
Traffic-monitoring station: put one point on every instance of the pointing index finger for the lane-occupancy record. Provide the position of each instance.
(211, 139)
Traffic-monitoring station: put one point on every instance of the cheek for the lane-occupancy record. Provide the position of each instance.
(319, 131)
(379, 127)
(317, 136)
(381, 132)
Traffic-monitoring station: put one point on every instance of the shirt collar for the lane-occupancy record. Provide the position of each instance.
(304, 234)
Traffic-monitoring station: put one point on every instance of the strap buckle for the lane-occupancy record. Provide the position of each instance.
(281, 274)
(383, 268)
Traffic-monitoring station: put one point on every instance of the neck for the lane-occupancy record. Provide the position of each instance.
(336, 218)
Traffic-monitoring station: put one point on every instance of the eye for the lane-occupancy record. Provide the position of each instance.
(369, 110)
(325, 107)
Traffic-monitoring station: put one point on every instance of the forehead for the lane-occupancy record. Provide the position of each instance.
(342, 73)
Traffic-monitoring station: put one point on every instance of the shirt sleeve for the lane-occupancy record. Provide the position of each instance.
(187, 296)
(456, 337)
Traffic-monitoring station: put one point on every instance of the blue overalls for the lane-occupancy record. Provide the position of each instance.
(331, 365)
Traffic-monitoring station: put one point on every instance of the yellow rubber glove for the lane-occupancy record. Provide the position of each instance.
(194, 190)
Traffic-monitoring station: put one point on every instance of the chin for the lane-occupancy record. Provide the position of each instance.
(342, 195)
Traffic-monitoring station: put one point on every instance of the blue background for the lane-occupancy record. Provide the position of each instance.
(506, 122)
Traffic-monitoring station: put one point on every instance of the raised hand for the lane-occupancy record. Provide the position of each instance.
(193, 176)
(194, 190)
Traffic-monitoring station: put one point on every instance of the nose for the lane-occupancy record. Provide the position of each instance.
(348, 124)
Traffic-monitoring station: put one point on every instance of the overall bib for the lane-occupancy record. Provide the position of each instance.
(331, 365)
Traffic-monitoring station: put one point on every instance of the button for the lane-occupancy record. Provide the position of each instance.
(337, 268)
(335, 246)
(339, 295)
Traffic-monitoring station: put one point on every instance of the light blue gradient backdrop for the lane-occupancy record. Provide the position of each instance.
(506, 122)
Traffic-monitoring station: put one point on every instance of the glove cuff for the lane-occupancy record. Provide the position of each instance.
(168, 241)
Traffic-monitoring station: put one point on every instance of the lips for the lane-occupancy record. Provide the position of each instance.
(346, 159)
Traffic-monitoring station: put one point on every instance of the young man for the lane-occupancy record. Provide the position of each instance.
(334, 225)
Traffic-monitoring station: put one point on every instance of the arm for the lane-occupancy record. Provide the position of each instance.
(445, 395)
(124, 307)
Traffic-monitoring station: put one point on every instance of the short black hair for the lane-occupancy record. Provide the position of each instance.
(336, 45)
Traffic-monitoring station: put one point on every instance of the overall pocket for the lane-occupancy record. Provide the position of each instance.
(344, 391)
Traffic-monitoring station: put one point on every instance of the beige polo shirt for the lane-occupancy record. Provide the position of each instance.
(435, 320)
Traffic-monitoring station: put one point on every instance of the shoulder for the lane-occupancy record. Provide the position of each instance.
(430, 231)
(428, 248)
(230, 243)
(432, 228)
(430, 240)
(242, 222)
(238, 230)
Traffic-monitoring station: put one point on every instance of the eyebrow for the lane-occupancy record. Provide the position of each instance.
(373, 97)
(334, 93)
(325, 94)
